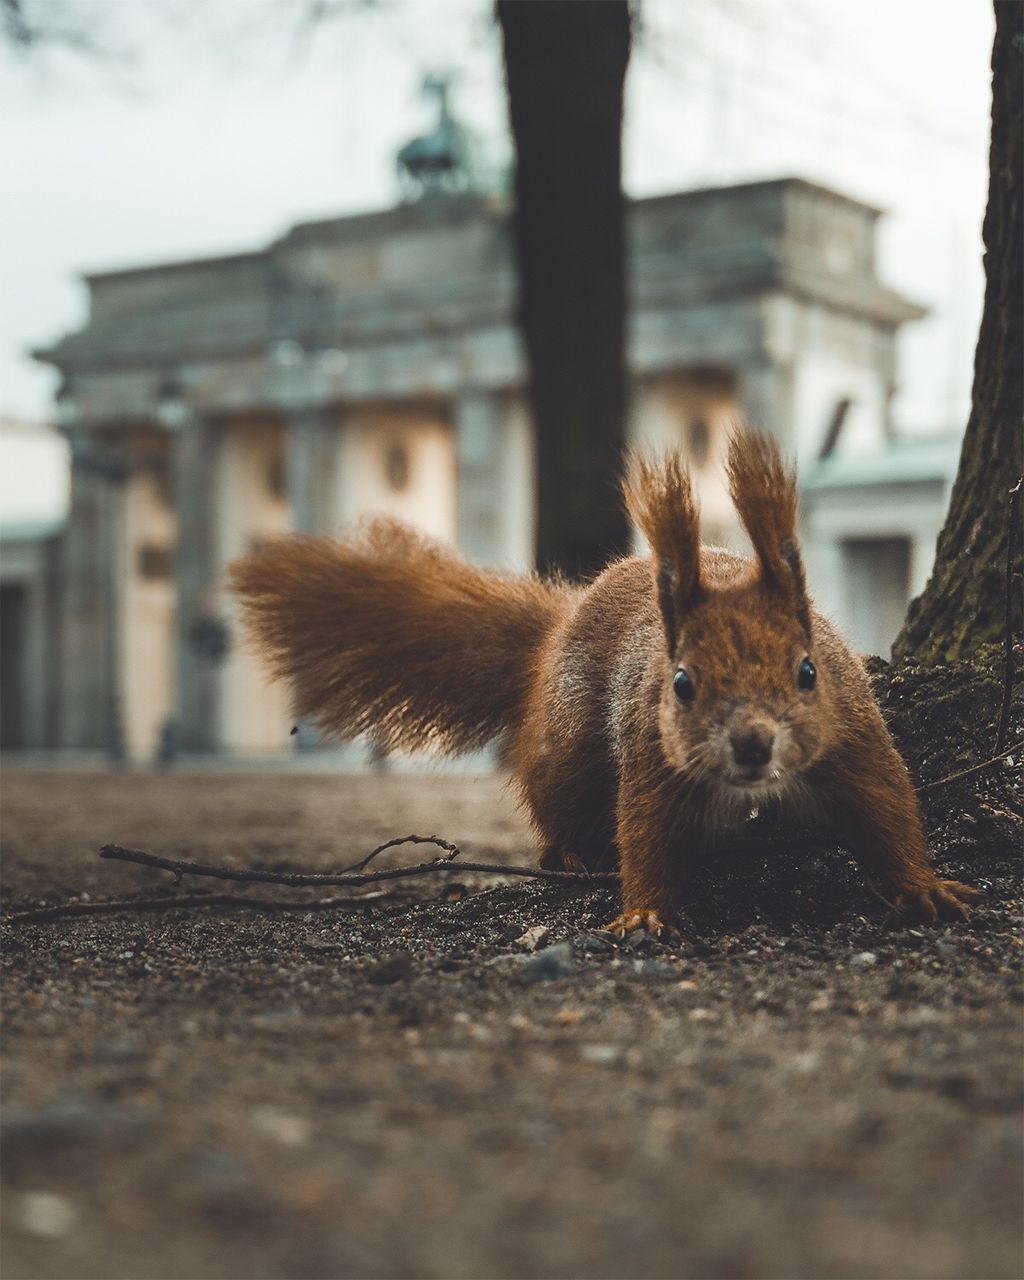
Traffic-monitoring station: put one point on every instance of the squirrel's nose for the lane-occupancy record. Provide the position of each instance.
(752, 745)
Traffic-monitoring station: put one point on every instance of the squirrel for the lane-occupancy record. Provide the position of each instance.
(642, 714)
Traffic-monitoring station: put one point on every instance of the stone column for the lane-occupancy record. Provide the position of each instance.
(311, 467)
(87, 641)
(37, 663)
(30, 665)
(310, 470)
(478, 457)
(201, 633)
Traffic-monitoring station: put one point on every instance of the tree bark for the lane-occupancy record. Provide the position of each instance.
(964, 603)
(565, 64)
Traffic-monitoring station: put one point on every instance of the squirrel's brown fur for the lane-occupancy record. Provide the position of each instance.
(393, 635)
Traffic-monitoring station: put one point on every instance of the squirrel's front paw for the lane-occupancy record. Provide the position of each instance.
(649, 920)
(944, 900)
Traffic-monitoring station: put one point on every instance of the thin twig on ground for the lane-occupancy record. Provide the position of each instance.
(298, 879)
(293, 879)
(976, 768)
(453, 851)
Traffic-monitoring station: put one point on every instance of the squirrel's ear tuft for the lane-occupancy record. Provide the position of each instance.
(659, 497)
(763, 492)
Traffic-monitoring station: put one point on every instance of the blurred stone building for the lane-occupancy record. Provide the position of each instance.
(372, 363)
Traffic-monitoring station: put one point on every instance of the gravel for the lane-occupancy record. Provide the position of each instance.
(400, 1088)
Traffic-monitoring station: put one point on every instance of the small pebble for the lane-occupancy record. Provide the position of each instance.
(550, 964)
(45, 1214)
(653, 969)
(597, 944)
(288, 1130)
(316, 943)
(534, 938)
(863, 960)
(601, 1055)
(391, 969)
(922, 1016)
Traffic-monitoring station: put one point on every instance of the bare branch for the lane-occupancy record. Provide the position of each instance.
(298, 879)
(30, 29)
(452, 850)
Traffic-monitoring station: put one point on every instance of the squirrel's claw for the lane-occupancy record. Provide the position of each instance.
(944, 900)
(648, 920)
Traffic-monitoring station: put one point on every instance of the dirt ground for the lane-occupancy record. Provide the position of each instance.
(399, 1089)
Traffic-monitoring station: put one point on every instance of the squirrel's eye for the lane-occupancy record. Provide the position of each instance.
(807, 675)
(683, 686)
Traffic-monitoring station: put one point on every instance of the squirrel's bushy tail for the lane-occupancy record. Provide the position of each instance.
(391, 634)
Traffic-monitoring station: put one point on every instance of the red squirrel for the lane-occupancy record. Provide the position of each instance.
(643, 714)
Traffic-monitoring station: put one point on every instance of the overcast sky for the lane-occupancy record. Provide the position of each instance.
(211, 127)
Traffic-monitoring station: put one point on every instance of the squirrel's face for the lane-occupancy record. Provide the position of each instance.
(745, 706)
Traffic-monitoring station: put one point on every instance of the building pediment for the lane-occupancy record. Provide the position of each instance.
(444, 267)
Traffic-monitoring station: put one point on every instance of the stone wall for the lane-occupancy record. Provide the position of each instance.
(373, 363)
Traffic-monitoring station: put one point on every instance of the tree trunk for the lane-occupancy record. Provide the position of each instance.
(565, 63)
(964, 603)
